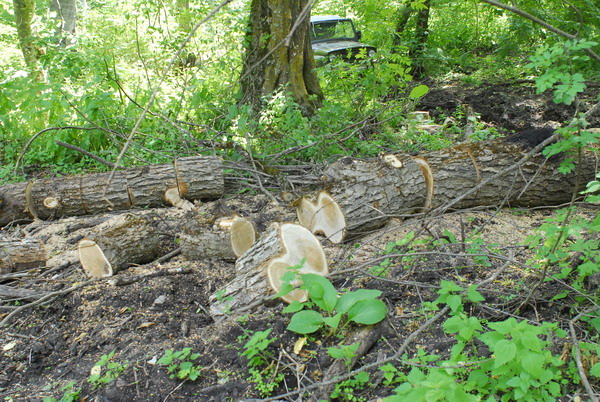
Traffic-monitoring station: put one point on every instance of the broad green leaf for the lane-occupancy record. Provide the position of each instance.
(474, 295)
(447, 286)
(293, 307)
(347, 300)
(332, 322)
(321, 291)
(453, 324)
(455, 302)
(305, 322)
(595, 370)
(505, 351)
(418, 91)
(367, 312)
(533, 363)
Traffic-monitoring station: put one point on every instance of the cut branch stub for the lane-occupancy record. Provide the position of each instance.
(260, 268)
(92, 259)
(323, 217)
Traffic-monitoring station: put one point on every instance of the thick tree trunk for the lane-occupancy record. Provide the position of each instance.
(190, 178)
(403, 17)
(275, 59)
(66, 15)
(19, 255)
(24, 11)
(421, 34)
(370, 192)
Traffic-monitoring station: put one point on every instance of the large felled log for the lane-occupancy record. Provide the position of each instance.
(19, 255)
(259, 270)
(189, 178)
(369, 192)
(120, 242)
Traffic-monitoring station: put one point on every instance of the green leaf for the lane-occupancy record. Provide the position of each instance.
(321, 291)
(418, 91)
(347, 300)
(455, 302)
(474, 295)
(334, 321)
(533, 363)
(453, 324)
(595, 370)
(293, 307)
(305, 322)
(367, 312)
(505, 351)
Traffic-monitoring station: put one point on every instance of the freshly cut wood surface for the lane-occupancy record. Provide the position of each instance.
(259, 270)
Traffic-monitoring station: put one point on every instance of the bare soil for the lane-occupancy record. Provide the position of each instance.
(50, 345)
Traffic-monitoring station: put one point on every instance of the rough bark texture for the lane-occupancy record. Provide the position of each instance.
(250, 281)
(9, 292)
(194, 177)
(273, 60)
(210, 244)
(19, 255)
(24, 11)
(125, 240)
(369, 192)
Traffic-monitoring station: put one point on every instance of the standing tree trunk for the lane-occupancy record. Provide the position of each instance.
(279, 54)
(66, 15)
(24, 10)
(403, 17)
(421, 34)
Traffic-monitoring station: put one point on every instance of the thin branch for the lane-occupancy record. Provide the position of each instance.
(26, 147)
(577, 354)
(86, 153)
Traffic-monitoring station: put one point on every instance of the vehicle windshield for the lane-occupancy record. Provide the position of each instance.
(331, 30)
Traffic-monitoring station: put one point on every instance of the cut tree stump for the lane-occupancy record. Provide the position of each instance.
(259, 270)
(191, 178)
(20, 255)
(368, 193)
(120, 242)
(227, 239)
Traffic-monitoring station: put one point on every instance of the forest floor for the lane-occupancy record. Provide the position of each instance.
(48, 347)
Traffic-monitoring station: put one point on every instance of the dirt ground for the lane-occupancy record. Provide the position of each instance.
(54, 344)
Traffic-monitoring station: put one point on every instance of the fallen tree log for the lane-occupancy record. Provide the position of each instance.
(191, 178)
(227, 239)
(259, 270)
(122, 241)
(19, 255)
(368, 193)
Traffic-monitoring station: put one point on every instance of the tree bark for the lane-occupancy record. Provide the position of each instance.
(66, 15)
(279, 54)
(259, 270)
(403, 17)
(193, 178)
(20, 255)
(24, 11)
(421, 34)
(120, 242)
(370, 192)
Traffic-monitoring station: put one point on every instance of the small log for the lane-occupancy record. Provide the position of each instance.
(20, 255)
(370, 192)
(193, 178)
(227, 239)
(259, 270)
(118, 243)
